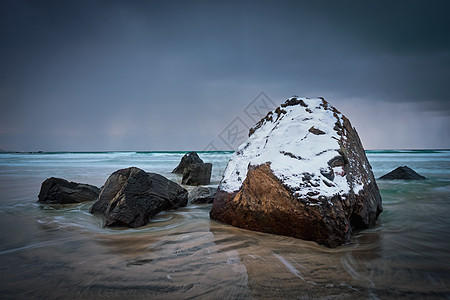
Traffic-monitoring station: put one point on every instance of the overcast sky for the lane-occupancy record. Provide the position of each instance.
(173, 75)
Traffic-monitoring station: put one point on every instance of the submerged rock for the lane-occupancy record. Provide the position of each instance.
(303, 173)
(197, 174)
(403, 173)
(60, 191)
(187, 160)
(130, 197)
(202, 195)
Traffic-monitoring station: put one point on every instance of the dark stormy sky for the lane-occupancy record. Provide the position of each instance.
(173, 75)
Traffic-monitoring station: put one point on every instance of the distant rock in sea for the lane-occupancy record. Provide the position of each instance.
(130, 197)
(187, 160)
(403, 173)
(194, 170)
(60, 191)
(303, 173)
(202, 195)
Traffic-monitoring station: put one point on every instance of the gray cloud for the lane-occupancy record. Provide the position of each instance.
(168, 75)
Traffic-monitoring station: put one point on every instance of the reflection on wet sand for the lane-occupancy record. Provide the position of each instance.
(282, 267)
(184, 262)
(202, 258)
(185, 255)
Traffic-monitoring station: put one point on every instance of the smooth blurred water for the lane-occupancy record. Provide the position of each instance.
(94, 168)
(54, 252)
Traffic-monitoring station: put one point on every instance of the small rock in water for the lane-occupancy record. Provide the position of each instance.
(187, 160)
(197, 174)
(130, 197)
(60, 191)
(403, 173)
(202, 195)
(194, 170)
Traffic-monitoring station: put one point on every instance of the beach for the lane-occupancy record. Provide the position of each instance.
(53, 252)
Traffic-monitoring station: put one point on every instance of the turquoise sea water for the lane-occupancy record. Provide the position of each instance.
(54, 252)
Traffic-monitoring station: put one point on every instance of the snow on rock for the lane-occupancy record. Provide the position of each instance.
(315, 154)
(299, 162)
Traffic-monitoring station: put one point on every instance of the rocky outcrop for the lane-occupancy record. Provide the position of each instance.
(202, 195)
(197, 174)
(403, 173)
(60, 191)
(187, 160)
(130, 197)
(194, 170)
(303, 173)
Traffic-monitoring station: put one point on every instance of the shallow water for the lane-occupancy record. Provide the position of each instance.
(64, 252)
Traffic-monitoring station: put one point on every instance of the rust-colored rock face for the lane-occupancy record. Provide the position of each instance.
(264, 204)
(303, 173)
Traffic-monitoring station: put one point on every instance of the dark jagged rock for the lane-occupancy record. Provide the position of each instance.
(60, 191)
(130, 197)
(194, 170)
(294, 101)
(197, 174)
(285, 180)
(403, 173)
(202, 195)
(187, 160)
(316, 131)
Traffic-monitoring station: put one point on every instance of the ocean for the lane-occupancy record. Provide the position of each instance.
(55, 252)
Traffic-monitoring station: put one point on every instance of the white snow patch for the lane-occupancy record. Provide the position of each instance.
(294, 153)
(358, 188)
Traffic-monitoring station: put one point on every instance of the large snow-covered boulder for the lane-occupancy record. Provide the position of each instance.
(303, 173)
